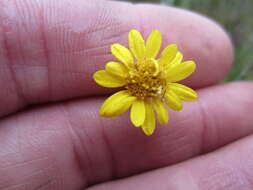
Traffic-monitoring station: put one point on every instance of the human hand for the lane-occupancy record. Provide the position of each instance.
(49, 51)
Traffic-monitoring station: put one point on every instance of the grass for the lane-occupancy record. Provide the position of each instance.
(237, 18)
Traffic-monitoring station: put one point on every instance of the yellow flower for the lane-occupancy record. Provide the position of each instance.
(149, 82)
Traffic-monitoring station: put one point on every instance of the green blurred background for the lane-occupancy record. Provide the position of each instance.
(236, 16)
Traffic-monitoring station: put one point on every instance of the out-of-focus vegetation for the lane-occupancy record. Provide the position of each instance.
(236, 16)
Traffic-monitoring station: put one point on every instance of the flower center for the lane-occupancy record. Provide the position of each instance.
(146, 79)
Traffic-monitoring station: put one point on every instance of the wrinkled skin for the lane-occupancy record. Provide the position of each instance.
(49, 50)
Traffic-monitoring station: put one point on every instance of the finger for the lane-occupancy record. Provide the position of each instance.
(229, 168)
(50, 49)
(68, 146)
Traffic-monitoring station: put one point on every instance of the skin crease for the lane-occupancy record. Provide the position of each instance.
(48, 53)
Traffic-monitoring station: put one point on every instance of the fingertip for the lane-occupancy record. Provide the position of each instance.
(198, 37)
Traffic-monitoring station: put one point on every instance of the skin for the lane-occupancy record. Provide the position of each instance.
(51, 136)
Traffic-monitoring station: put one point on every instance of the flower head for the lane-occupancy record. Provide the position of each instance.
(149, 82)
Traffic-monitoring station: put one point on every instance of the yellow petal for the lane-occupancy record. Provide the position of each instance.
(122, 54)
(185, 93)
(173, 101)
(149, 124)
(178, 59)
(153, 44)
(138, 113)
(106, 79)
(161, 112)
(118, 95)
(136, 44)
(117, 104)
(180, 71)
(168, 54)
(117, 69)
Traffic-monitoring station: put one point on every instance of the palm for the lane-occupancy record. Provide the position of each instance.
(66, 145)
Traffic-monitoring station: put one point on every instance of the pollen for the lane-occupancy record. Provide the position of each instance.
(146, 80)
